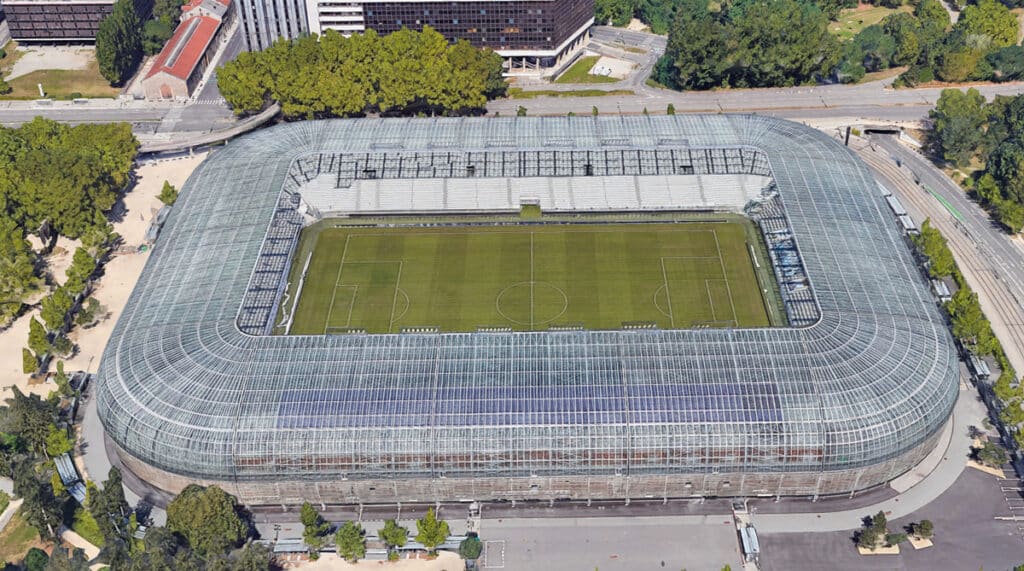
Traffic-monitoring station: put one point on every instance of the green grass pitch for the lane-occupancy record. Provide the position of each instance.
(675, 276)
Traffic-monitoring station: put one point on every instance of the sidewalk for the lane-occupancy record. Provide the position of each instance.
(954, 453)
(9, 512)
(72, 538)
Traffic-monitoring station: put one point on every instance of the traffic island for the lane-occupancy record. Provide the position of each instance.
(881, 549)
(919, 543)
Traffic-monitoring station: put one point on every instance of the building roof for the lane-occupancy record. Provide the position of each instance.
(181, 54)
(190, 386)
(196, 3)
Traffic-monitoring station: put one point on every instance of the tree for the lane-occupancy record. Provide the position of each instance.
(90, 312)
(350, 542)
(36, 559)
(315, 529)
(670, 110)
(58, 485)
(54, 308)
(252, 557)
(207, 518)
(18, 279)
(521, 111)
(30, 417)
(958, 120)
(969, 322)
(1007, 63)
(38, 340)
(990, 20)
(119, 43)
(83, 265)
(155, 34)
(748, 43)
(29, 362)
(1006, 165)
(991, 454)
(168, 194)
(470, 548)
(903, 28)
(432, 532)
(933, 21)
(62, 346)
(40, 507)
(895, 538)
(934, 246)
(393, 535)
(61, 560)
(244, 83)
(923, 529)
(61, 380)
(167, 11)
(57, 442)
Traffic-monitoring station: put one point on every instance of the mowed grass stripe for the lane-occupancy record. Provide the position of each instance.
(462, 278)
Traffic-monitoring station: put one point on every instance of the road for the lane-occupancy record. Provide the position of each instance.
(874, 100)
(991, 260)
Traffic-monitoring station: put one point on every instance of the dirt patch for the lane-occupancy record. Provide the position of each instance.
(17, 538)
(50, 57)
(119, 277)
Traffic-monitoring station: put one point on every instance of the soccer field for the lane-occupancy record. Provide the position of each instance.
(534, 277)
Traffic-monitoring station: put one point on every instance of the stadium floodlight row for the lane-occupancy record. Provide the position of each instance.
(192, 389)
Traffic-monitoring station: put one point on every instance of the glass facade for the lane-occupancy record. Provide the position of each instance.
(192, 388)
(44, 20)
(496, 25)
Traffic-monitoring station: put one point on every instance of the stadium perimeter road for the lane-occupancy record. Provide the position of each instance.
(967, 536)
(992, 261)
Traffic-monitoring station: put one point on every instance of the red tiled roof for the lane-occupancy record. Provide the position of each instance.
(186, 47)
(194, 3)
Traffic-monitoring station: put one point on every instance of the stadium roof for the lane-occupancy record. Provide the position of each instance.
(184, 390)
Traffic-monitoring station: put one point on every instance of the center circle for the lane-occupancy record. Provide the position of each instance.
(532, 303)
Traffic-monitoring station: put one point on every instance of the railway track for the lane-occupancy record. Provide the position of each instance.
(1001, 306)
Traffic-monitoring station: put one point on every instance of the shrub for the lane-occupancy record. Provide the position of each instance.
(892, 539)
(36, 559)
(29, 363)
(168, 194)
(991, 454)
(923, 529)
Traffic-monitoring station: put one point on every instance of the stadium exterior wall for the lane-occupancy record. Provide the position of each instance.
(545, 488)
(191, 394)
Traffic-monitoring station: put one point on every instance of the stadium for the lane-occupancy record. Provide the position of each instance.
(421, 310)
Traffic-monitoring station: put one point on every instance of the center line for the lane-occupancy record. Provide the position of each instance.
(531, 280)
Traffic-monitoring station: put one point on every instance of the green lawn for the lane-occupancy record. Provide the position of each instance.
(17, 538)
(529, 278)
(853, 20)
(62, 84)
(85, 525)
(579, 72)
(520, 93)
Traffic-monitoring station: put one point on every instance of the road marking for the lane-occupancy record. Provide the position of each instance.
(337, 280)
(711, 301)
(494, 554)
(725, 276)
(668, 293)
(394, 300)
